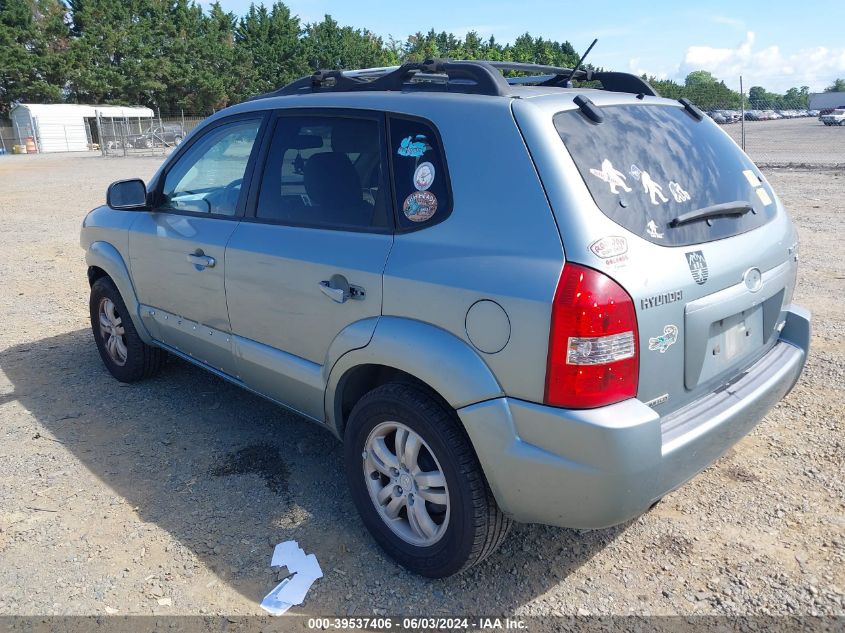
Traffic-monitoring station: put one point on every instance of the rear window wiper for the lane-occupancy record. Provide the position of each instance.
(725, 209)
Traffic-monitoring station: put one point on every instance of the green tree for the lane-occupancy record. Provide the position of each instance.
(273, 50)
(797, 98)
(33, 40)
(837, 86)
(329, 45)
(709, 93)
(760, 99)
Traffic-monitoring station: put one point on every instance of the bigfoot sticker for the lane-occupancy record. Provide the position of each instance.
(420, 206)
(611, 176)
(654, 190)
(653, 230)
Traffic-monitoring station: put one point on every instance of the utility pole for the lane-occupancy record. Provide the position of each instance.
(742, 112)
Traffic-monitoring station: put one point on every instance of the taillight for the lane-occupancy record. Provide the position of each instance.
(593, 349)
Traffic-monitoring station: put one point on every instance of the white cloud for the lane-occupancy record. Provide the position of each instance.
(768, 67)
(635, 66)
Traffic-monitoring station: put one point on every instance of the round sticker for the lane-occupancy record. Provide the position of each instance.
(420, 206)
(423, 176)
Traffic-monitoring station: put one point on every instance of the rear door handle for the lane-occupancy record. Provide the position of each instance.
(201, 260)
(339, 290)
(335, 294)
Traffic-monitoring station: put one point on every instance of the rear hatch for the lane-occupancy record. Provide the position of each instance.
(689, 227)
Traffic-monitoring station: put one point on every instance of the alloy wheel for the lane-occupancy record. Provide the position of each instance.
(112, 332)
(406, 484)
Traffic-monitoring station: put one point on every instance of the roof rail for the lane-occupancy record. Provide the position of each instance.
(464, 76)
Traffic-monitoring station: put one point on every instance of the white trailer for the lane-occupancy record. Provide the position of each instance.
(825, 100)
(65, 127)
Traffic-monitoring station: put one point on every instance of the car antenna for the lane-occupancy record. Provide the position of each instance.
(568, 82)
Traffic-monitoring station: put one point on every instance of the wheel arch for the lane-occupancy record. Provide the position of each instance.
(104, 260)
(404, 350)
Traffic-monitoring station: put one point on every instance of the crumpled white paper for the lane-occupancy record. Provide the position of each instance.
(291, 591)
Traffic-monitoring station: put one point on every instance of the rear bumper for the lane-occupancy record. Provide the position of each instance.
(600, 467)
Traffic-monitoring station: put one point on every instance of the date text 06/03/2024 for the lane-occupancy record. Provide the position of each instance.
(417, 623)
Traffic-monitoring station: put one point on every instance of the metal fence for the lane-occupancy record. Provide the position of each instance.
(142, 137)
(12, 135)
(111, 136)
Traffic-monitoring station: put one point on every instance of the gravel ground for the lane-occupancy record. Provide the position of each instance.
(167, 496)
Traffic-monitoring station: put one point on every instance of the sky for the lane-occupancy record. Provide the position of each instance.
(773, 43)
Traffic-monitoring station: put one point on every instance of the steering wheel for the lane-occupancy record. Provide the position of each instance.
(223, 201)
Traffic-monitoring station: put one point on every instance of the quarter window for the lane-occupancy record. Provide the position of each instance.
(419, 173)
(208, 177)
(327, 172)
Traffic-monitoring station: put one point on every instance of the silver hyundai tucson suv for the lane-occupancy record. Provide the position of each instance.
(526, 302)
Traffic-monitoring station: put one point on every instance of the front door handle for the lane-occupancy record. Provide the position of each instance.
(201, 260)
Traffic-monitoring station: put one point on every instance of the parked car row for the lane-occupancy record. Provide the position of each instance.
(734, 116)
(771, 115)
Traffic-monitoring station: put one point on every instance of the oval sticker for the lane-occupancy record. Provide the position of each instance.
(423, 176)
(420, 206)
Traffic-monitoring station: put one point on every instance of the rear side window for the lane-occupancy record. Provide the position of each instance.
(646, 165)
(420, 178)
(326, 172)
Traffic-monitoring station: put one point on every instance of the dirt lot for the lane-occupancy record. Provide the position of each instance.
(167, 496)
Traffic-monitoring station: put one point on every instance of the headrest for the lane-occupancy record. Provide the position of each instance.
(306, 141)
(354, 136)
(331, 180)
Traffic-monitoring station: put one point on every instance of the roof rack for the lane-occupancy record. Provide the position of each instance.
(447, 75)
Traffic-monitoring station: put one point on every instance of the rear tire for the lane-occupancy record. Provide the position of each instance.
(123, 352)
(458, 523)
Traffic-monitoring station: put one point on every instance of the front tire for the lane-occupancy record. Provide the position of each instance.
(417, 482)
(123, 352)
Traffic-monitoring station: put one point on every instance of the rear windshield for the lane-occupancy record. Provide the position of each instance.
(645, 165)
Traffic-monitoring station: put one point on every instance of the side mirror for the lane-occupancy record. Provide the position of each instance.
(127, 194)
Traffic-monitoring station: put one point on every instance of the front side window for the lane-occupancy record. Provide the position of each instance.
(207, 178)
(419, 173)
(326, 172)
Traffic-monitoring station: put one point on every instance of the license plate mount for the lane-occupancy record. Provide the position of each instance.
(731, 340)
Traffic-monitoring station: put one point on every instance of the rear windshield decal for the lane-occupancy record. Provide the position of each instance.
(654, 190)
(611, 176)
(689, 164)
(678, 192)
(764, 196)
(653, 231)
(751, 177)
(635, 171)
